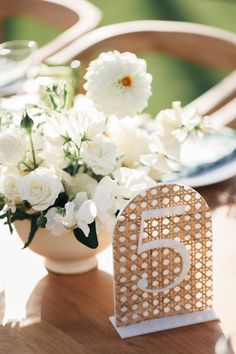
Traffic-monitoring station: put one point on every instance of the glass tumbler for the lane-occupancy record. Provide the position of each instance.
(15, 59)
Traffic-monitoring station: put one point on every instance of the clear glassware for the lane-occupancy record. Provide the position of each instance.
(15, 59)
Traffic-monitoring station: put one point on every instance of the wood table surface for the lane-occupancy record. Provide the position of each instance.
(49, 313)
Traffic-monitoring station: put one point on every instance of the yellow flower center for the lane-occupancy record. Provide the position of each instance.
(126, 81)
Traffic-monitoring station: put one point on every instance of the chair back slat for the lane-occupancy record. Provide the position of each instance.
(197, 43)
(74, 17)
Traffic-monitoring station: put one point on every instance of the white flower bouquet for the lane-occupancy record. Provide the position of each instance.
(72, 169)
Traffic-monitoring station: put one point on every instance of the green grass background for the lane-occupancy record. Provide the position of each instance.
(173, 79)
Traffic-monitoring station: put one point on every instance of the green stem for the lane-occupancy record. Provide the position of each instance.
(54, 105)
(33, 151)
(27, 166)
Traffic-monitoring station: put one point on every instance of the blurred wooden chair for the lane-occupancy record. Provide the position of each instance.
(75, 17)
(197, 43)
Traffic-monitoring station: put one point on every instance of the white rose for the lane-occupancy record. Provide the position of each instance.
(55, 222)
(99, 154)
(126, 132)
(40, 188)
(81, 182)
(9, 184)
(12, 146)
(80, 212)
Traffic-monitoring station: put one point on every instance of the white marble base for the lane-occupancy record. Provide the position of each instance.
(161, 324)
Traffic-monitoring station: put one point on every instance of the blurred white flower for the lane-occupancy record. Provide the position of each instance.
(194, 122)
(179, 123)
(75, 124)
(48, 157)
(157, 163)
(99, 154)
(169, 120)
(81, 182)
(118, 83)
(40, 188)
(106, 202)
(55, 222)
(91, 121)
(125, 132)
(163, 155)
(62, 125)
(80, 212)
(12, 146)
(129, 183)
(39, 142)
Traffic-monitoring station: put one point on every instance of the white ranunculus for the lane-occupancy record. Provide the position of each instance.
(118, 83)
(80, 212)
(99, 154)
(9, 184)
(81, 182)
(12, 146)
(40, 188)
(130, 140)
(55, 222)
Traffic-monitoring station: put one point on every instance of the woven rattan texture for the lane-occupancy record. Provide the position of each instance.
(161, 266)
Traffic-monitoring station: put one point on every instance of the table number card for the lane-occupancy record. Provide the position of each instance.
(162, 248)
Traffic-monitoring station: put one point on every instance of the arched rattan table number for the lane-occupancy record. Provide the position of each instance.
(162, 248)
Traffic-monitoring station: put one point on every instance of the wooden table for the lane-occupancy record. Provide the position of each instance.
(69, 314)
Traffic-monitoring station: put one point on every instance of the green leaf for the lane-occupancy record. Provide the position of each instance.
(9, 220)
(91, 241)
(2, 202)
(33, 229)
(27, 123)
(61, 200)
(20, 215)
(42, 221)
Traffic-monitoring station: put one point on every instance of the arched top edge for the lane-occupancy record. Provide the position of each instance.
(204, 206)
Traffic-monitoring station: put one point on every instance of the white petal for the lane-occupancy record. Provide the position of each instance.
(87, 212)
(84, 227)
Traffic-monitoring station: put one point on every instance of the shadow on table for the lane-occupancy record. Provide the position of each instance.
(72, 317)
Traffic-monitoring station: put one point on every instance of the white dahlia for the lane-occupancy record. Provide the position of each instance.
(118, 83)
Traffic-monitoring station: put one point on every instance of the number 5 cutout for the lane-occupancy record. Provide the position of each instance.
(162, 248)
(163, 243)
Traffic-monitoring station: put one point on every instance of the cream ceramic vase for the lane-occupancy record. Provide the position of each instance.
(64, 254)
